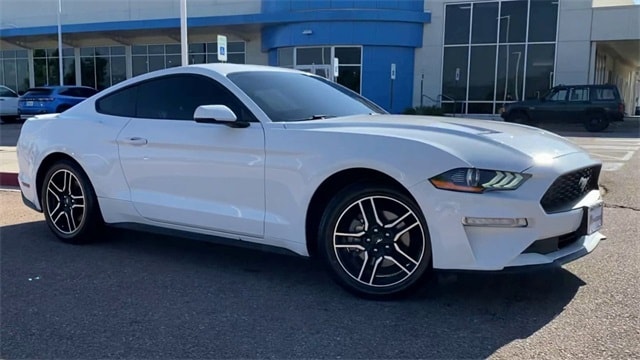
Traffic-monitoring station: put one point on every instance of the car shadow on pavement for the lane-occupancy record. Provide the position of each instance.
(627, 129)
(139, 295)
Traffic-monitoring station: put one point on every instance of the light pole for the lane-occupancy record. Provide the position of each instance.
(60, 68)
(184, 52)
(506, 79)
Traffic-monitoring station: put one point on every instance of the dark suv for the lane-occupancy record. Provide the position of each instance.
(593, 105)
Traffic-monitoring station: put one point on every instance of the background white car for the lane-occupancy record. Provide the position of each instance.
(286, 159)
(8, 104)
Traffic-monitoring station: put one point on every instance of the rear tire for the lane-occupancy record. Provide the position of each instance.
(596, 122)
(374, 241)
(10, 119)
(69, 203)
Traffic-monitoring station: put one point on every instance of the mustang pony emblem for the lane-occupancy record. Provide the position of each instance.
(583, 182)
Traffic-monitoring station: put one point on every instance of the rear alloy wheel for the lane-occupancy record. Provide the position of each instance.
(596, 122)
(374, 241)
(69, 203)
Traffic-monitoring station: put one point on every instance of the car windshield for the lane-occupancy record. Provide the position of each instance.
(285, 96)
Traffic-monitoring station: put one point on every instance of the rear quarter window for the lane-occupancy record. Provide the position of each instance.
(605, 94)
(119, 103)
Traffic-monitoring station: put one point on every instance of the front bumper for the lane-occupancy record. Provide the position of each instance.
(485, 248)
(29, 203)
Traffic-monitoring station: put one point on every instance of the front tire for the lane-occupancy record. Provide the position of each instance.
(374, 241)
(596, 122)
(69, 203)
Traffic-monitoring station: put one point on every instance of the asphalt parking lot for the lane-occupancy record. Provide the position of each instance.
(136, 295)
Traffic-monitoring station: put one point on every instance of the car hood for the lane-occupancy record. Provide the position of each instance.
(477, 142)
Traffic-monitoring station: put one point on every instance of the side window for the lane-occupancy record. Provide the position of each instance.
(579, 94)
(558, 95)
(119, 103)
(176, 97)
(7, 93)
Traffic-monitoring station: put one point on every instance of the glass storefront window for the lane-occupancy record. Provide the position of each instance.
(319, 61)
(454, 73)
(543, 13)
(510, 79)
(101, 67)
(46, 67)
(349, 76)
(285, 57)
(457, 24)
(349, 55)
(10, 73)
(482, 72)
(513, 21)
(485, 26)
(236, 52)
(14, 69)
(313, 55)
(146, 58)
(505, 60)
(540, 59)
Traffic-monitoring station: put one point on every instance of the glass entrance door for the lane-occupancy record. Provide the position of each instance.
(320, 70)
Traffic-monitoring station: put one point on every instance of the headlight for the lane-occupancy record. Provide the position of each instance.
(478, 180)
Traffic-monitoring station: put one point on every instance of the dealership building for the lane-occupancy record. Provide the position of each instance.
(469, 57)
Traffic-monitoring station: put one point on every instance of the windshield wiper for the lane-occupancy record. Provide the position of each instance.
(317, 117)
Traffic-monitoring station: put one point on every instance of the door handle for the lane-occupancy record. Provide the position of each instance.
(136, 141)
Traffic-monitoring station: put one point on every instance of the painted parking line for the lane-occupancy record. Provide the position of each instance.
(614, 153)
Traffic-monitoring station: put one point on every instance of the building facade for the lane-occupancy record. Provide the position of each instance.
(469, 57)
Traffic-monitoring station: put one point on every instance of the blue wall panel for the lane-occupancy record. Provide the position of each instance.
(376, 76)
(342, 33)
(271, 6)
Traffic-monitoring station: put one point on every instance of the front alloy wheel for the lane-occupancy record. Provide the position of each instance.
(375, 242)
(69, 203)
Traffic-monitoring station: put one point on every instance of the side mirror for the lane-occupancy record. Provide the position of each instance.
(217, 114)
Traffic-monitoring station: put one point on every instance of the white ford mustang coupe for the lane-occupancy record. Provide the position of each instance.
(288, 160)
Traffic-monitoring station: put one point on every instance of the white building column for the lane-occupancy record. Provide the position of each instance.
(78, 65)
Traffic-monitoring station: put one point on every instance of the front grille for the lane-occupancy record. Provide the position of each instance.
(570, 188)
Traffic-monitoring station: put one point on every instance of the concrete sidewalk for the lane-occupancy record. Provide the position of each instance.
(8, 166)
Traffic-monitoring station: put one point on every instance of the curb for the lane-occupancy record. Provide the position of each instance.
(9, 179)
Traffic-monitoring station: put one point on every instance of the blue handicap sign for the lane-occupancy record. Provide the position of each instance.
(222, 50)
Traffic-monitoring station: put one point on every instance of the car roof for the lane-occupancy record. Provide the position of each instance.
(58, 87)
(229, 68)
(586, 85)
